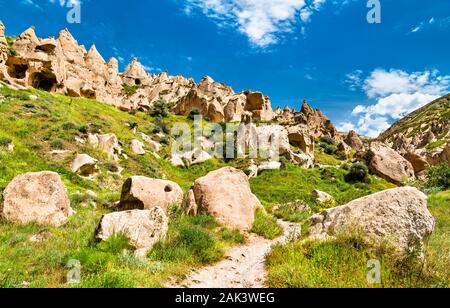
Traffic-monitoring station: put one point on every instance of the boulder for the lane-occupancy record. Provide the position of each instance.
(271, 165)
(84, 165)
(153, 145)
(137, 147)
(388, 164)
(322, 197)
(398, 215)
(354, 141)
(143, 228)
(109, 144)
(226, 195)
(140, 192)
(39, 197)
(418, 162)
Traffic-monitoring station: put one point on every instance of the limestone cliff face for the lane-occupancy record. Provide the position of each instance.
(63, 66)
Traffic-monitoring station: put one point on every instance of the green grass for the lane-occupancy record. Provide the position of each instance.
(436, 144)
(266, 225)
(284, 186)
(343, 262)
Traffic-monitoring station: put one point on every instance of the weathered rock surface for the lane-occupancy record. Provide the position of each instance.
(354, 141)
(137, 147)
(388, 164)
(398, 215)
(226, 195)
(39, 197)
(84, 165)
(143, 228)
(140, 192)
(322, 197)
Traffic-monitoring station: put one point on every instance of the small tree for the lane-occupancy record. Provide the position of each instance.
(160, 109)
(358, 173)
(438, 177)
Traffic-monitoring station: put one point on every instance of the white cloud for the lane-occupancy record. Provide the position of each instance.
(262, 21)
(396, 93)
(354, 80)
(440, 23)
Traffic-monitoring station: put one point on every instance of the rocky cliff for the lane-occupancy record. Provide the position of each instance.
(63, 66)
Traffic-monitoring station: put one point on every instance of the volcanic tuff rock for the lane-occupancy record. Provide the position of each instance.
(226, 195)
(387, 163)
(399, 215)
(62, 65)
(39, 197)
(422, 136)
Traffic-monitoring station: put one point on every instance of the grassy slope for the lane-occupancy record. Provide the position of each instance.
(343, 262)
(37, 127)
(435, 112)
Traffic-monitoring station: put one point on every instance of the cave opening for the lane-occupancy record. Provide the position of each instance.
(44, 81)
(18, 71)
(137, 82)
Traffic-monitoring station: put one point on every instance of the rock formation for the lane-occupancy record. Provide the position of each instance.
(398, 215)
(37, 197)
(62, 65)
(388, 164)
(140, 192)
(226, 195)
(143, 228)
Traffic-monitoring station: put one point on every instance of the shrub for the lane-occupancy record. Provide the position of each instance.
(327, 140)
(5, 142)
(438, 177)
(194, 112)
(160, 109)
(57, 144)
(358, 173)
(130, 90)
(266, 225)
(232, 236)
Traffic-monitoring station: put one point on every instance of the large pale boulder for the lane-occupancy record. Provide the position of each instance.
(139, 192)
(398, 215)
(39, 197)
(143, 228)
(109, 144)
(388, 164)
(226, 195)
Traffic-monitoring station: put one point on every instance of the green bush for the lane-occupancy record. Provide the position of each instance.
(194, 112)
(358, 173)
(130, 90)
(160, 109)
(438, 177)
(5, 142)
(266, 225)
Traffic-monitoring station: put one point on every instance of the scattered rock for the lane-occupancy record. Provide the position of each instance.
(39, 197)
(189, 204)
(137, 147)
(140, 192)
(84, 165)
(354, 141)
(143, 228)
(226, 195)
(322, 197)
(399, 215)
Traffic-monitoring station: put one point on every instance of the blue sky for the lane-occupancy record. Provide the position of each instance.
(363, 76)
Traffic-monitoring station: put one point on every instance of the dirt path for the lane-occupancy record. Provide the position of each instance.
(244, 266)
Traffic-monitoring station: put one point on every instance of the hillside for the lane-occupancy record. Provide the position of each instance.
(425, 131)
(48, 130)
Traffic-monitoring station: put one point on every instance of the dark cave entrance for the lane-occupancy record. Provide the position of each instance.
(137, 82)
(44, 81)
(18, 71)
